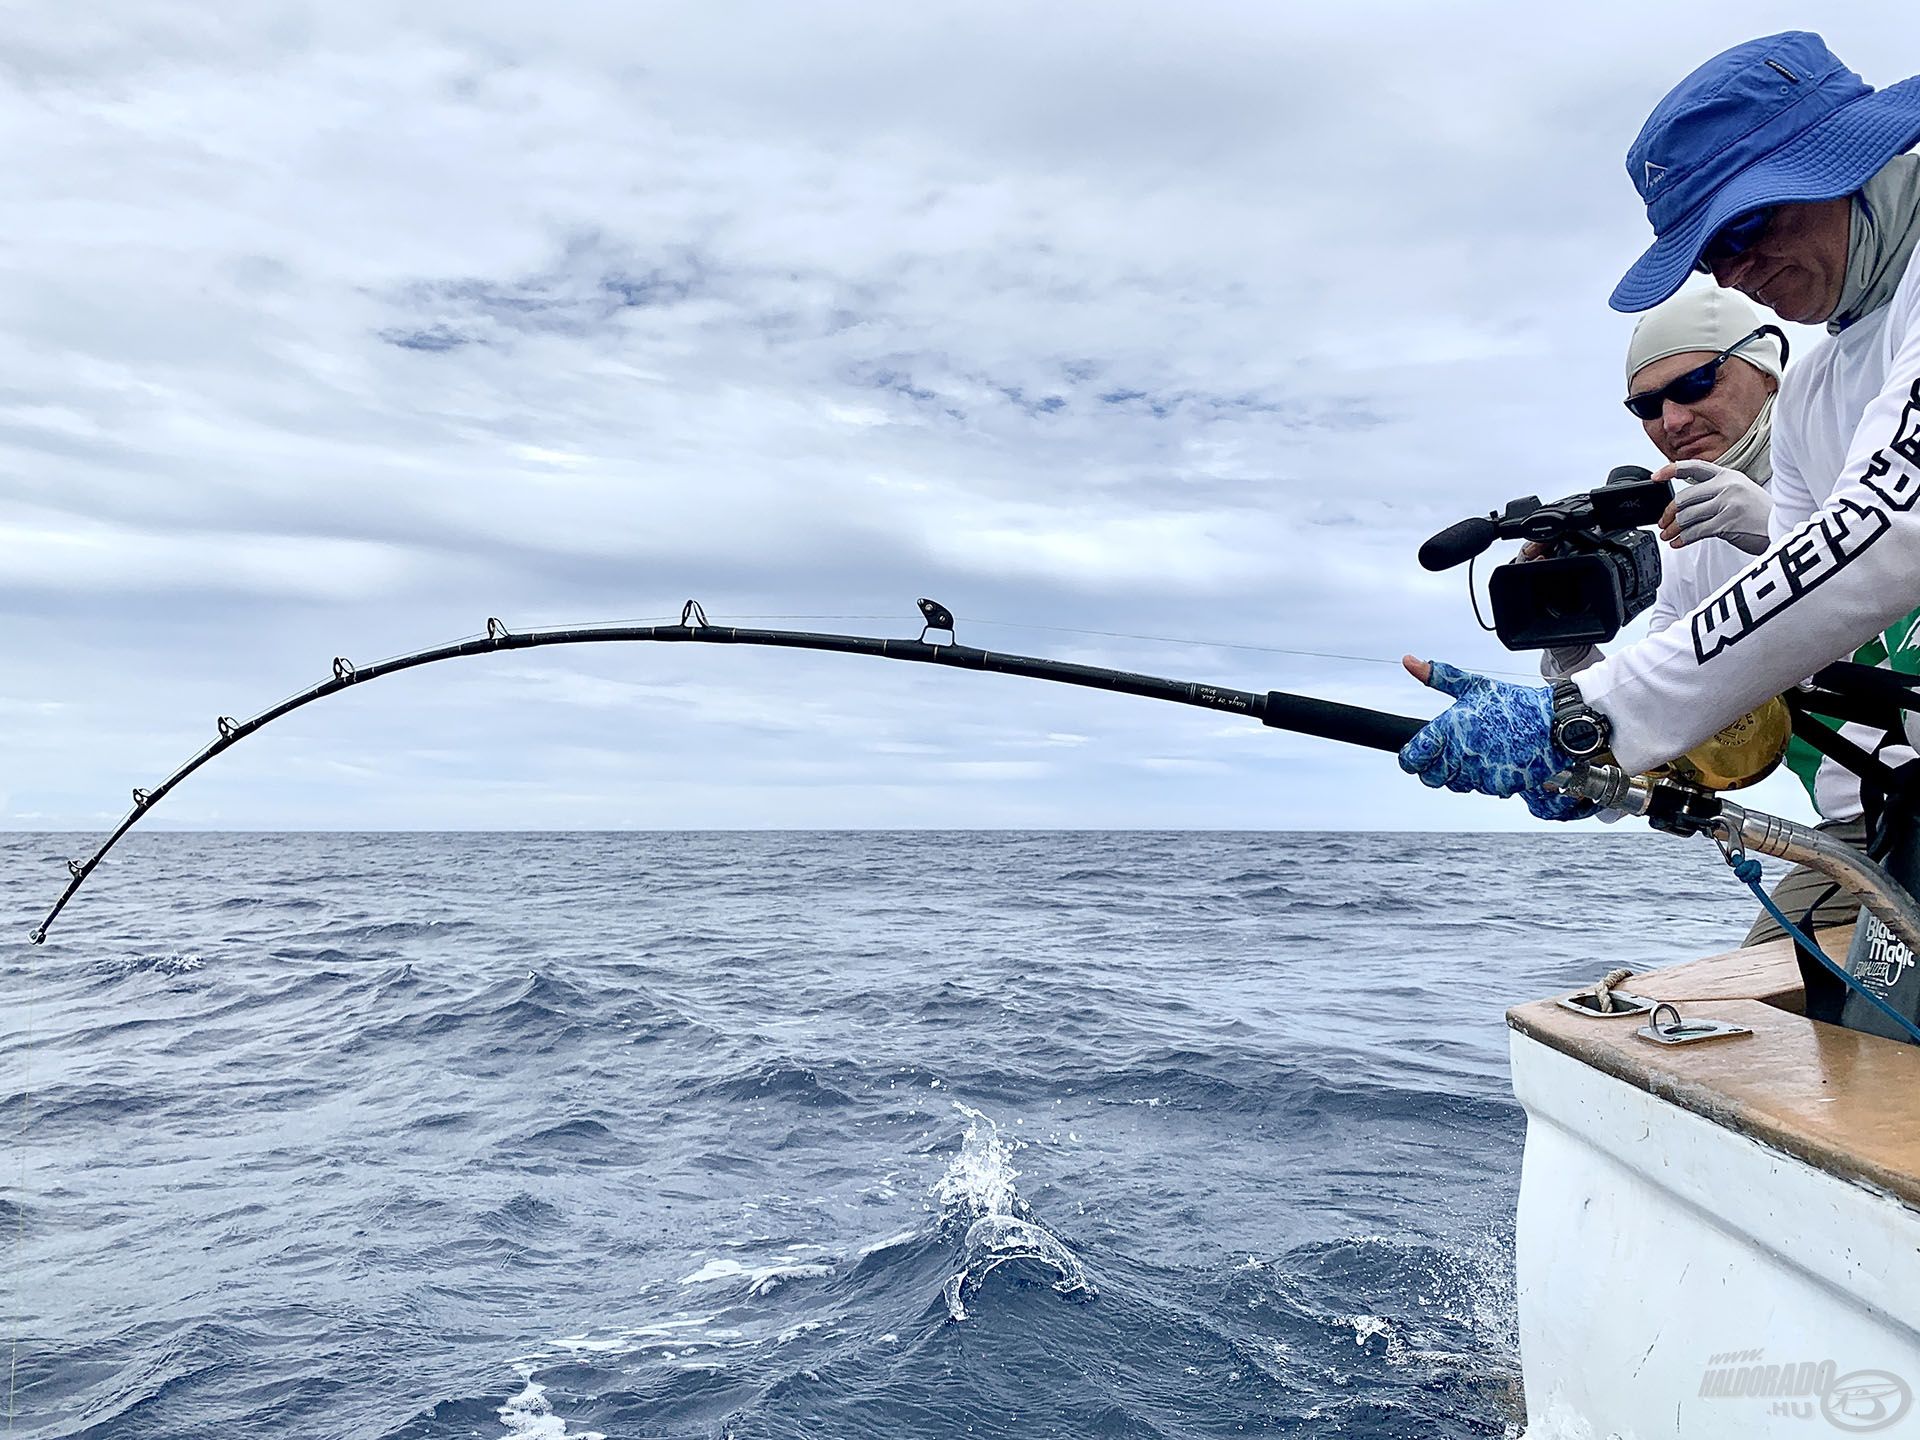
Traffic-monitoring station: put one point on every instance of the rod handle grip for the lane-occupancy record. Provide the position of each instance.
(1330, 720)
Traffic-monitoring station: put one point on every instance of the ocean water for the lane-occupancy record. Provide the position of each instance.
(787, 1134)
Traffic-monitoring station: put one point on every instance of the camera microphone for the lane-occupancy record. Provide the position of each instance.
(1459, 542)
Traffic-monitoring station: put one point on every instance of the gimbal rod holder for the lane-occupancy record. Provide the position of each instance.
(1685, 809)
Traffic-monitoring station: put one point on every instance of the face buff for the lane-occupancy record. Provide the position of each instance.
(1880, 241)
(1752, 453)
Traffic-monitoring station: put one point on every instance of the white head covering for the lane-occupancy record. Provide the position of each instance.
(1701, 316)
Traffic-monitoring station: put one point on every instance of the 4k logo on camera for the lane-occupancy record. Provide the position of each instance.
(1819, 549)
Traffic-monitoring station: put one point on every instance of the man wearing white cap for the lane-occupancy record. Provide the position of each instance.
(1703, 372)
(1781, 173)
(1727, 507)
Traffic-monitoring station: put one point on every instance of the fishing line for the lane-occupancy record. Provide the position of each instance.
(1235, 645)
(1177, 640)
(1108, 635)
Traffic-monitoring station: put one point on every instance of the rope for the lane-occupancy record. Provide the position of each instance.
(1747, 869)
(1603, 992)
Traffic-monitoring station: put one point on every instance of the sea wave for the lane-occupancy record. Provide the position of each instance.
(553, 1136)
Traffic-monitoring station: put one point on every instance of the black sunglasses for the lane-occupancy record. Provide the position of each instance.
(1734, 238)
(1696, 384)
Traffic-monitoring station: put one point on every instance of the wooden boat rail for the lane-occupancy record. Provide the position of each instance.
(1841, 1100)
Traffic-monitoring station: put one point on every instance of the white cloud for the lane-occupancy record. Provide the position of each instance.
(340, 331)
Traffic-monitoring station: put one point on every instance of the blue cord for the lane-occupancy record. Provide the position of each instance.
(1748, 869)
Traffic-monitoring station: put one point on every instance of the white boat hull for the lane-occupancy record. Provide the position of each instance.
(1678, 1278)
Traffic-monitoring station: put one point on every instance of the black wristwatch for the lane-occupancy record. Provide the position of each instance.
(1578, 729)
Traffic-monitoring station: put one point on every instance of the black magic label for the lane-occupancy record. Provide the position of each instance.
(1885, 959)
(1819, 549)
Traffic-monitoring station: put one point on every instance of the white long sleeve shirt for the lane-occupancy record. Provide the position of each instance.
(1829, 582)
(1688, 577)
(1821, 402)
(1814, 422)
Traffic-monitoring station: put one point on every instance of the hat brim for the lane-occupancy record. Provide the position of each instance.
(1833, 158)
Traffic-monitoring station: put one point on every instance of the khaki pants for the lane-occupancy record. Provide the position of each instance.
(1800, 887)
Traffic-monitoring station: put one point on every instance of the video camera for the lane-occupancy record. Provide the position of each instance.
(1600, 570)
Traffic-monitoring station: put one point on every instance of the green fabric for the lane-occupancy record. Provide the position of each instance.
(1805, 761)
(1897, 647)
(1901, 638)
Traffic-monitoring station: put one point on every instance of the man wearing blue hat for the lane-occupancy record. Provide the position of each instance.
(1782, 174)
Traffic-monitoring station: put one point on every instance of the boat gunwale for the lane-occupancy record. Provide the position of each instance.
(1843, 1101)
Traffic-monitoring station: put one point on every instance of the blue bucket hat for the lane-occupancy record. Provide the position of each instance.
(1770, 122)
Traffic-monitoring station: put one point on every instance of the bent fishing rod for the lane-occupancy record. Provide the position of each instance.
(1668, 802)
(1302, 714)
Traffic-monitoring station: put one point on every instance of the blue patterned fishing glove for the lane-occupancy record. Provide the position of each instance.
(1552, 805)
(1496, 738)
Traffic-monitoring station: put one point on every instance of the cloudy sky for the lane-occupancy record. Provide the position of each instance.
(335, 330)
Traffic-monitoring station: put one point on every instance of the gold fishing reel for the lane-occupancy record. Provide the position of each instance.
(1744, 753)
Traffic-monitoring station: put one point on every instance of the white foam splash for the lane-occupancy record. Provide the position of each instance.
(762, 1281)
(1468, 1285)
(528, 1416)
(979, 1183)
(1369, 1327)
(714, 1270)
(174, 964)
(995, 1240)
(979, 1180)
(642, 1337)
